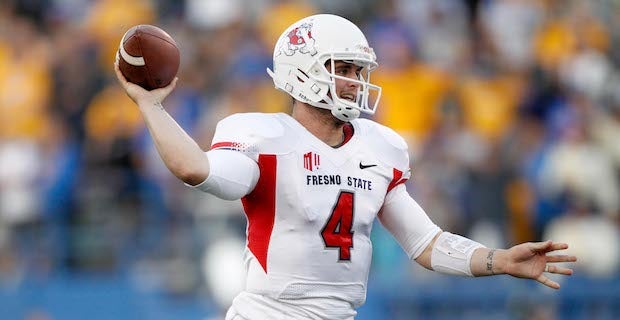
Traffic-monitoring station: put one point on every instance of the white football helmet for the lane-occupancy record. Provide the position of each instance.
(299, 61)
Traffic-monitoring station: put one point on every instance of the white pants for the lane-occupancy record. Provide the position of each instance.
(248, 306)
(233, 315)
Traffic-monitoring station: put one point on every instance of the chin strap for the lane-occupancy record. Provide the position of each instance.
(344, 113)
(342, 110)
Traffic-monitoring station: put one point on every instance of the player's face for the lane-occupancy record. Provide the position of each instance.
(346, 89)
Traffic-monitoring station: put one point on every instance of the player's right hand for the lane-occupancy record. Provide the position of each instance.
(141, 96)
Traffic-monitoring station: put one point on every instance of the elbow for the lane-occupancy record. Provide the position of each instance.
(192, 179)
(189, 175)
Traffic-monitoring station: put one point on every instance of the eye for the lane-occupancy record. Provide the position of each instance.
(342, 70)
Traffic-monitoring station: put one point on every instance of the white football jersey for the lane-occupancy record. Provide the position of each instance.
(311, 212)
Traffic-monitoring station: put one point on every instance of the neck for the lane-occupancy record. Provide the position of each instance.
(320, 122)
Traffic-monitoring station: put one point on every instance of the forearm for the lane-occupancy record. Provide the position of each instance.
(181, 154)
(484, 261)
(488, 262)
(453, 254)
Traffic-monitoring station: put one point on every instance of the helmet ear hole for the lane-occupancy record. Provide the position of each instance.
(305, 76)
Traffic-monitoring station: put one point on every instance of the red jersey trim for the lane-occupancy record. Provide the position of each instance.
(348, 132)
(228, 145)
(260, 209)
(396, 180)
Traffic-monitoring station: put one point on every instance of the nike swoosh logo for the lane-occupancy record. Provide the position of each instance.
(363, 166)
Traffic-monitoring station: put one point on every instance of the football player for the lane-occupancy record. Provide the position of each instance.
(313, 182)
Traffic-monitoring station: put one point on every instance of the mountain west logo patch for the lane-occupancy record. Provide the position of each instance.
(312, 161)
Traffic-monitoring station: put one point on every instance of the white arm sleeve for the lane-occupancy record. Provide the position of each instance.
(403, 217)
(232, 174)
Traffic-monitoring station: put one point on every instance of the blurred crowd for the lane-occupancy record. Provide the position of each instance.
(511, 109)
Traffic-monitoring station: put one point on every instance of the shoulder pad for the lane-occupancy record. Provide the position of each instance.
(252, 124)
(389, 146)
(251, 133)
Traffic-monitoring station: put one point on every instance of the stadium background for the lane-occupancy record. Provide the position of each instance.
(511, 109)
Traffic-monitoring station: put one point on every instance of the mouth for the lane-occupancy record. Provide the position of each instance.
(348, 96)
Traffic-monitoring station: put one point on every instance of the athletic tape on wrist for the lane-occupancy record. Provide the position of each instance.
(452, 254)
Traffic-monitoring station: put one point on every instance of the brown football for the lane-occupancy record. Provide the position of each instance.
(148, 56)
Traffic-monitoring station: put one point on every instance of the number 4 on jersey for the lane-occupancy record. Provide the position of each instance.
(338, 232)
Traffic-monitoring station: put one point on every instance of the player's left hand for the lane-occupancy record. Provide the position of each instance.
(531, 260)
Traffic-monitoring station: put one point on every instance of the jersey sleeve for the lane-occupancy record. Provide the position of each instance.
(399, 157)
(232, 175)
(233, 157)
(401, 215)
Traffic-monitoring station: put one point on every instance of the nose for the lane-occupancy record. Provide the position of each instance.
(353, 82)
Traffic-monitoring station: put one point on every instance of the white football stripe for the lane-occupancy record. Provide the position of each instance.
(134, 61)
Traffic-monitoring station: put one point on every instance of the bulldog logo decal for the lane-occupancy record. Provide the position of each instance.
(299, 40)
